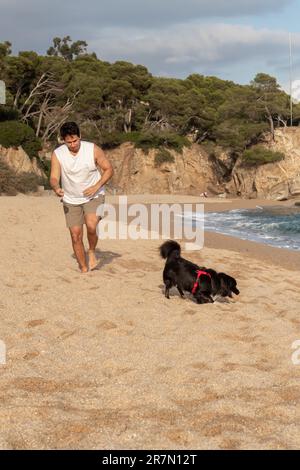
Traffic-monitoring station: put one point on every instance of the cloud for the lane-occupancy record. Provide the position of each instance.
(188, 48)
(170, 37)
(137, 13)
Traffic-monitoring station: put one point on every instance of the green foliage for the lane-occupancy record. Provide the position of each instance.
(67, 49)
(45, 165)
(259, 155)
(163, 156)
(110, 140)
(15, 134)
(149, 140)
(5, 49)
(8, 113)
(265, 83)
(237, 134)
(90, 132)
(145, 141)
(124, 102)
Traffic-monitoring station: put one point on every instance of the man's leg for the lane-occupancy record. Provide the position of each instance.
(92, 215)
(75, 221)
(91, 221)
(76, 236)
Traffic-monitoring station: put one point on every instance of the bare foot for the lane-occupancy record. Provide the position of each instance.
(84, 269)
(93, 262)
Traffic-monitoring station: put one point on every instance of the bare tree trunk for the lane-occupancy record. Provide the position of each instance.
(280, 120)
(202, 137)
(127, 123)
(27, 114)
(42, 111)
(45, 85)
(271, 122)
(18, 94)
(58, 117)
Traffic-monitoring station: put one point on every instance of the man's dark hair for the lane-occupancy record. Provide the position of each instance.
(69, 128)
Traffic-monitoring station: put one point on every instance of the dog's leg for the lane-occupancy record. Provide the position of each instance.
(180, 291)
(168, 284)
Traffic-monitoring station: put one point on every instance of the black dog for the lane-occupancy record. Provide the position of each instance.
(222, 284)
(202, 282)
(184, 275)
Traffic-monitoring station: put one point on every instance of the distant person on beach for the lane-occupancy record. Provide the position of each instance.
(83, 170)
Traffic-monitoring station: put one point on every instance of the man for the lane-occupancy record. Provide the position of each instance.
(77, 163)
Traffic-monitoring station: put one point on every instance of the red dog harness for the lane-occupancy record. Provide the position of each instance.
(199, 273)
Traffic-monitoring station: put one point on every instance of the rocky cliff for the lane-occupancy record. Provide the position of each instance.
(135, 172)
(195, 171)
(19, 161)
(279, 180)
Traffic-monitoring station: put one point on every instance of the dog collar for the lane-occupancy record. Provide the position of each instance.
(199, 273)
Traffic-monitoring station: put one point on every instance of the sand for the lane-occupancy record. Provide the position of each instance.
(104, 361)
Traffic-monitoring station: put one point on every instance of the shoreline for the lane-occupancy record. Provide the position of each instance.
(283, 257)
(263, 252)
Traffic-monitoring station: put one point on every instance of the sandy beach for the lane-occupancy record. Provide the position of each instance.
(104, 361)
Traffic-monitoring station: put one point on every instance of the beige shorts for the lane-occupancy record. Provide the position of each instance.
(75, 213)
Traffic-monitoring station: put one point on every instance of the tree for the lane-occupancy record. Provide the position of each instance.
(5, 49)
(20, 73)
(66, 48)
(271, 102)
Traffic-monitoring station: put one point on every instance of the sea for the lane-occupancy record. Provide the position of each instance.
(273, 225)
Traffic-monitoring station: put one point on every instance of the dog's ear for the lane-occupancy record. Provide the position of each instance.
(224, 284)
(228, 285)
(232, 285)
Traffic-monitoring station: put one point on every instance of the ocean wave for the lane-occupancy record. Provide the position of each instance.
(277, 226)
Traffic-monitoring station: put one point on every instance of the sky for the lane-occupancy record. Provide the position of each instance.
(231, 39)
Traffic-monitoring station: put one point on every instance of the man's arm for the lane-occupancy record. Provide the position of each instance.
(106, 171)
(55, 176)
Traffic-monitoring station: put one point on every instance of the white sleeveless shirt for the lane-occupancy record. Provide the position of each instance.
(78, 172)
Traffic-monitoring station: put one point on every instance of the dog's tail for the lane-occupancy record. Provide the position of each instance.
(168, 248)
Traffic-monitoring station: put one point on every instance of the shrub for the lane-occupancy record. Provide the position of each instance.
(7, 180)
(90, 132)
(237, 134)
(170, 140)
(11, 183)
(110, 140)
(259, 155)
(163, 156)
(28, 182)
(145, 141)
(8, 113)
(14, 134)
(45, 165)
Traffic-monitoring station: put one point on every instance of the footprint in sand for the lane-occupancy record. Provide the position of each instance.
(190, 312)
(106, 325)
(67, 334)
(33, 323)
(31, 355)
(65, 279)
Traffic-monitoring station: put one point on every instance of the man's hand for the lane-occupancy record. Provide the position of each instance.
(59, 192)
(91, 190)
